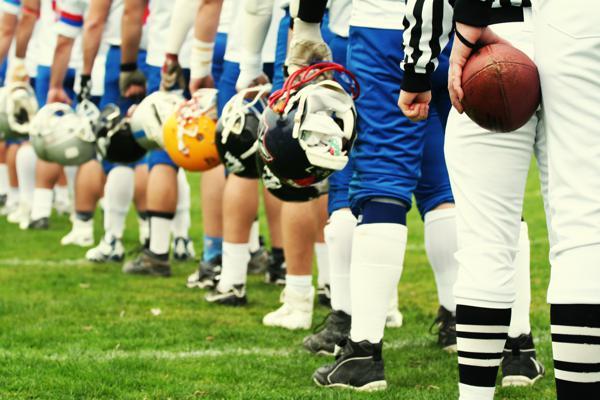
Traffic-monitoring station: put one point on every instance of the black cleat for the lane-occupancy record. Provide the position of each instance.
(236, 296)
(39, 224)
(324, 295)
(357, 366)
(276, 272)
(147, 263)
(3, 199)
(207, 276)
(446, 325)
(259, 261)
(520, 366)
(334, 329)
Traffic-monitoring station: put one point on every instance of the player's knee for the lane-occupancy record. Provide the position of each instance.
(382, 210)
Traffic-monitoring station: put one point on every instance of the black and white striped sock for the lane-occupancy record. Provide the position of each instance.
(481, 335)
(576, 350)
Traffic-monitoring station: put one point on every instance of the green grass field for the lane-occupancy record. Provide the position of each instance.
(74, 330)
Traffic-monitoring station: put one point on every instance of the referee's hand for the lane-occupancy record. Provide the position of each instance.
(415, 106)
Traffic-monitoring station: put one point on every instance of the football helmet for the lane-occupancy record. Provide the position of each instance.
(286, 192)
(307, 132)
(237, 131)
(18, 106)
(60, 135)
(148, 118)
(114, 138)
(189, 134)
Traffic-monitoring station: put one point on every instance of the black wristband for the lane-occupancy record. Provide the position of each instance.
(128, 67)
(416, 83)
(312, 11)
(85, 79)
(464, 40)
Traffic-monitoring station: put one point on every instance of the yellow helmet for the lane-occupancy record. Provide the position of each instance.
(189, 134)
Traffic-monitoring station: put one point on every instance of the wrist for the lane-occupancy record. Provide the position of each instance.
(307, 31)
(128, 67)
(172, 57)
(416, 83)
(201, 59)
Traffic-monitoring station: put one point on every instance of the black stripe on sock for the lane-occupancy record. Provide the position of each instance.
(578, 339)
(84, 215)
(587, 315)
(576, 367)
(480, 356)
(477, 376)
(566, 390)
(481, 335)
(161, 214)
(468, 315)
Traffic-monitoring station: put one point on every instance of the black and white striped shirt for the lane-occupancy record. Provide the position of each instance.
(428, 26)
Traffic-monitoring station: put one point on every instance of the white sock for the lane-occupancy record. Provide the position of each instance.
(377, 260)
(71, 173)
(440, 246)
(338, 235)
(519, 320)
(299, 283)
(118, 194)
(182, 220)
(234, 266)
(254, 240)
(41, 206)
(25, 162)
(322, 255)
(468, 392)
(12, 198)
(4, 186)
(160, 231)
(61, 194)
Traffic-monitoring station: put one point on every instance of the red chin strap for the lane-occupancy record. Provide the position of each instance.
(279, 99)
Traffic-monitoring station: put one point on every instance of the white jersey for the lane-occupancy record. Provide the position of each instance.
(47, 33)
(158, 30)
(339, 17)
(383, 14)
(233, 52)
(226, 16)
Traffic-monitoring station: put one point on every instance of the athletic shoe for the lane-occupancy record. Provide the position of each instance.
(236, 296)
(109, 249)
(39, 224)
(520, 366)
(295, 312)
(183, 249)
(82, 234)
(446, 325)
(275, 272)
(324, 295)
(357, 366)
(394, 318)
(259, 261)
(19, 215)
(147, 264)
(62, 207)
(3, 198)
(335, 328)
(207, 276)
(8, 209)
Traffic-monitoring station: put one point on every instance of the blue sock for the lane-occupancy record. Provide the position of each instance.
(213, 247)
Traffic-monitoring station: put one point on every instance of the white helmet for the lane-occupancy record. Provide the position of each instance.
(18, 106)
(61, 135)
(149, 116)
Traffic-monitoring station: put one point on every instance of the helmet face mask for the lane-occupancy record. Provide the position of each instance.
(312, 137)
(148, 118)
(114, 138)
(18, 106)
(61, 135)
(237, 131)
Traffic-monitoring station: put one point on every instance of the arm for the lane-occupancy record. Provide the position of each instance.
(256, 21)
(182, 20)
(92, 32)
(427, 24)
(132, 81)
(30, 14)
(205, 31)
(8, 27)
(307, 44)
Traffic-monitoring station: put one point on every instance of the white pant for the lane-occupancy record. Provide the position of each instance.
(567, 45)
(488, 172)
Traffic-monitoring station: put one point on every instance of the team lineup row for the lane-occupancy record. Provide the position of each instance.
(342, 110)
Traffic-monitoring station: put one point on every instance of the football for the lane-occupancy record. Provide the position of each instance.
(501, 88)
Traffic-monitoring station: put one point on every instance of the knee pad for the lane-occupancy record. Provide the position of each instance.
(383, 211)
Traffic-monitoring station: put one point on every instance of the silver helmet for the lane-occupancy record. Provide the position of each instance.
(18, 106)
(61, 135)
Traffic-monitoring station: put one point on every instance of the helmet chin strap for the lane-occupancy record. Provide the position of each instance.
(234, 113)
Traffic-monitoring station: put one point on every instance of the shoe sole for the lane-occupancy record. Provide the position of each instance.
(200, 285)
(450, 349)
(519, 381)
(374, 386)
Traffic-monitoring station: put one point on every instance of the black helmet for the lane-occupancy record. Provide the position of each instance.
(114, 138)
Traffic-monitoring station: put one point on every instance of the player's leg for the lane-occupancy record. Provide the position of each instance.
(89, 184)
(4, 184)
(139, 199)
(300, 226)
(62, 201)
(12, 198)
(25, 162)
(322, 257)
(276, 269)
(183, 247)
(240, 204)
(567, 40)
(381, 193)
